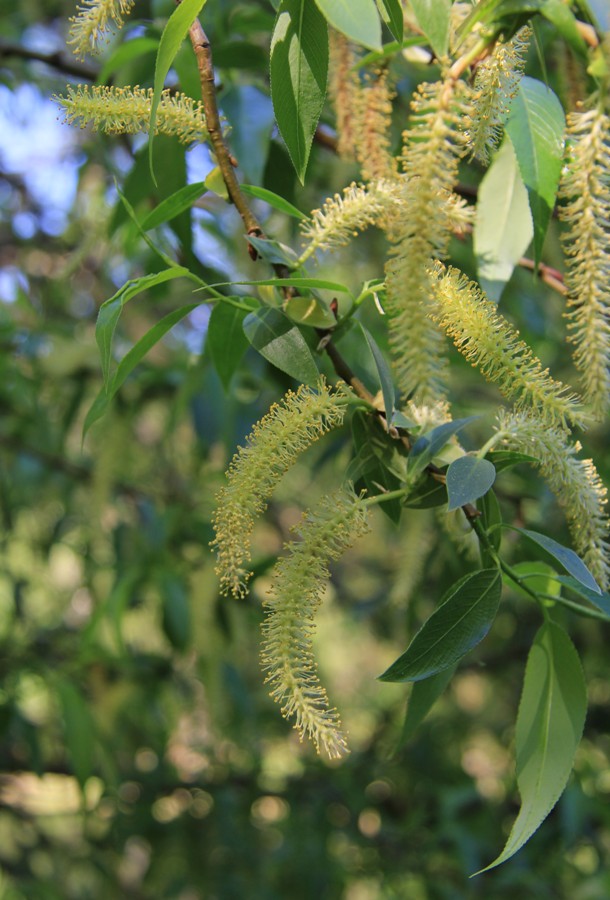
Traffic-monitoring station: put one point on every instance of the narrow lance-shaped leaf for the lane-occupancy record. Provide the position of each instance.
(568, 559)
(226, 340)
(549, 728)
(281, 343)
(299, 72)
(433, 18)
(458, 625)
(358, 20)
(174, 33)
(424, 695)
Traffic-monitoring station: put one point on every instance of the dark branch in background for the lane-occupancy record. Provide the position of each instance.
(57, 60)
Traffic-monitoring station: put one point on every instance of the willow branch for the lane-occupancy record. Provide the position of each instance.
(57, 60)
(203, 54)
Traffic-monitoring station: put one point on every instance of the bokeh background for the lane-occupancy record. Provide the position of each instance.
(140, 755)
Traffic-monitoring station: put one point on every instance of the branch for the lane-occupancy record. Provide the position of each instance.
(226, 163)
(57, 60)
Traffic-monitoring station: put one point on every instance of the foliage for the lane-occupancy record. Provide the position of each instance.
(337, 254)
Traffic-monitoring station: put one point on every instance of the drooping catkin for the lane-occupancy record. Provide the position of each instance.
(344, 90)
(299, 581)
(575, 482)
(585, 188)
(273, 446)
(489, 342)
(127, 111)
(373, 132)
(420, 231)
(92, 22)
(496, 83)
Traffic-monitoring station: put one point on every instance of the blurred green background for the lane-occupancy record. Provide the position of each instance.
(140, 755)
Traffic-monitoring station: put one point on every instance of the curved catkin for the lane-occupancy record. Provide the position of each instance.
(117, 110)
(344, 91)
(295, 595)
(93, 20)
(420, 231)
(489, 341)
(273, 446)
(575, 482)
(585, 187)
(373, 135)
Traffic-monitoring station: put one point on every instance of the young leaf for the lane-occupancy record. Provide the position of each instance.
(468, 478)
(226, 340)
(131, 360)
(422, 698)
(568, 559)
(433, 18)
(383, 370)
(536, 127)
(172, 206)
(299, 71)
(549, 728)
(392, 14)
(174, 33)
(110, 311)
(426, 495)
(358, 20)
(429, 445)
(503, 226)
(273, 200)
(458, 625)
(281, 343)
(273, 251)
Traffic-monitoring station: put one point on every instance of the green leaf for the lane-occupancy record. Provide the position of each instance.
(302, 283)
(309, 311)
(110, 311)
(79, 729)
(549, 728)
(173, 205)
(424, 695)
(299, 71)
(491, 519)
(126, 53)
(433, 18)
(177, 623)
(536, 127)
(392, 14)
(358, 20)
(503, 226)
(429, 445)
(273, 251)
(427, 494)
(458, 625)
(174, 33)
(226, 340)
(564, 20)
(468, 478)
(568, 559)
(601, 601)
(273, 200)
(505, 459)
(279, 340)
(538, 576)
(131, 360)
(383, 370)
(375, 462)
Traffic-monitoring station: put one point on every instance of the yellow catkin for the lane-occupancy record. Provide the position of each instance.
(344, 91)
(420, 231)
(489, 342)
(295, 595)
(273, 446)
(127, 111)
(575, 482)
(585, 188)
(373, 136)
(92, 22)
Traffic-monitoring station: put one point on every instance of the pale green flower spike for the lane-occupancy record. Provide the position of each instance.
(420, 231)
(127, 111)
(575, 482)
(295, 595)
(272, 448)
(496, 83)
(488, 341)
(586, 188)
(93, 20)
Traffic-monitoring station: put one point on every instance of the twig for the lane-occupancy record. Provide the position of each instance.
(203, 53)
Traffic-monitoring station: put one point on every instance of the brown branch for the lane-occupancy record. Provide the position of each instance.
(203, 53)
(548, 274)
(57, 60)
